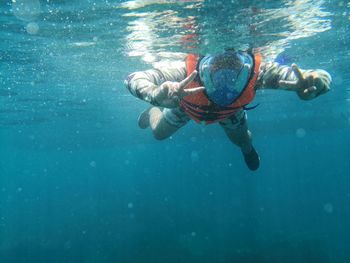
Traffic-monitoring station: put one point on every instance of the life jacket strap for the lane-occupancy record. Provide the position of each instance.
(251, 108)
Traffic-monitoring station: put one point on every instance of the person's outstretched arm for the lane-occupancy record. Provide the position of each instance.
(308, 84)
(161, 87)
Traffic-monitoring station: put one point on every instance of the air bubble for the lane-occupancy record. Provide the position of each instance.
(300, 133)
(194, 156)
(26, 10)
(32, 28)
(328, 208)
(338, 80)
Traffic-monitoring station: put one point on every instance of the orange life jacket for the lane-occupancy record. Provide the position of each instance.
(201, 109)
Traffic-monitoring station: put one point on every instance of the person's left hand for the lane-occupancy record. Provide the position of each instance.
(309, 84)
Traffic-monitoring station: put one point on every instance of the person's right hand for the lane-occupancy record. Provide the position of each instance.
(169, 94)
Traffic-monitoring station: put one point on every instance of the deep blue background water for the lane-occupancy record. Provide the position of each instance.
(79, 182)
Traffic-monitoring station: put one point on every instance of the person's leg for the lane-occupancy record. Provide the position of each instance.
(160, 127)
(163, 123)
(236, 129)
(241, 137)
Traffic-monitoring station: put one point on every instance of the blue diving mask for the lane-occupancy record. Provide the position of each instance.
(225, 76)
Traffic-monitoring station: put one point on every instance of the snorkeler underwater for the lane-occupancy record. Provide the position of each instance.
(227, 84)
(174, 131)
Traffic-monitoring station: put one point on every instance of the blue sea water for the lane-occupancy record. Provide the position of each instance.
(80, 182)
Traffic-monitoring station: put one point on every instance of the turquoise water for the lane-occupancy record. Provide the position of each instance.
(79, 182)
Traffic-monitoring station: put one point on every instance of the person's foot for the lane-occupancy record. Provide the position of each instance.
(143, 120)
(252, 159)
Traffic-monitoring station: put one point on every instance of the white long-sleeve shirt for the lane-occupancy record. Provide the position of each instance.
(142, 83)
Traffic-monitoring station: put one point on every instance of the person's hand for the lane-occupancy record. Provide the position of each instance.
(169, 94)
(309, 84)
